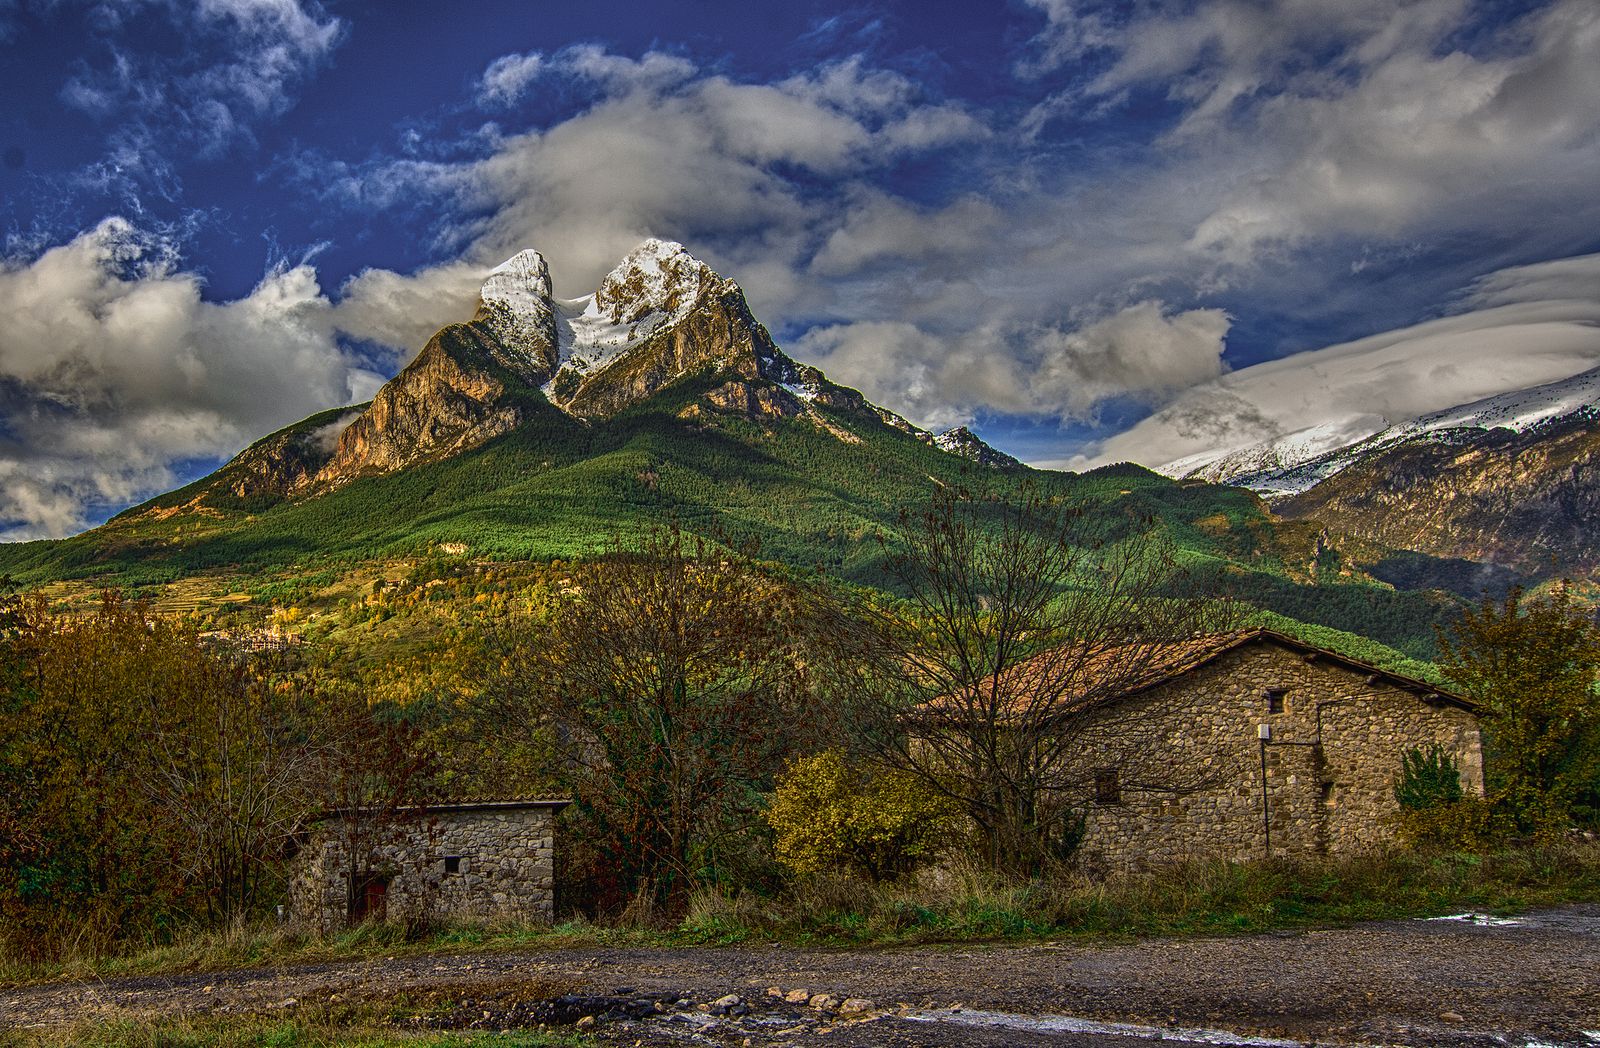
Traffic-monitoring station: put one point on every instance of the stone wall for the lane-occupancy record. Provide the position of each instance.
(460, 863)
(1191, 777)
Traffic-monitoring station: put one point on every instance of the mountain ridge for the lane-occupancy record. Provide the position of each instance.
(676, 403)
(1509, 481)
(659, 317)
(1294, 462)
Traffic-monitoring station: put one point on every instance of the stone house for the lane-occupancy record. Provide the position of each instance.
(479, 862)
(1248, 744)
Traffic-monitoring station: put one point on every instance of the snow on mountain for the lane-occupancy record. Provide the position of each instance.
(1298, 461)
(588, 339)
(654, 287)
(1518, 410)
(658, 277)
(1282, 453)
(515, 303)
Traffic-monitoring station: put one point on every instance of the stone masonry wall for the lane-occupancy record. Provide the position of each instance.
(1331, 763)
(503, 869)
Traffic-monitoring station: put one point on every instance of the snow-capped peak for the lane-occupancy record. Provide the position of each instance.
(1283, 452)
(515, 303)
(658, 276)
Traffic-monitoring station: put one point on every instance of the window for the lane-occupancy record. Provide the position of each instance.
(1107, 786)
(1275, 698)
(452, 864)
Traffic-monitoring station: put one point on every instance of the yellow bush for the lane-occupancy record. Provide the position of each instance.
(1467, 824)
(831, 815)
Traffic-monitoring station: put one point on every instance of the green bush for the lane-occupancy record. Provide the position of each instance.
(831, 816)
(1428, 779)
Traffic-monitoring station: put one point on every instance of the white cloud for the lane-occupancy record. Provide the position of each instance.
(1526, 327)
(113, 368)
(879, 228)
(400, 312)
(234, 63)
(1304, 121)
(895, 364)
(1145, 352)
(508, 77)
(1576, 278)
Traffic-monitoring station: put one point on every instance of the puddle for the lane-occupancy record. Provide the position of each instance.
(1070, 1024)
(1049, 1024)
(1485, 920)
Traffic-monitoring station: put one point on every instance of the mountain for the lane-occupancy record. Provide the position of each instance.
(542, 425)
(660, 317)
(1521, 499)
(542, 429)
(1507, 483)
(1295, 462)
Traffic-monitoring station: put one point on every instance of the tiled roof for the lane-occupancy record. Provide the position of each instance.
(1065, 681)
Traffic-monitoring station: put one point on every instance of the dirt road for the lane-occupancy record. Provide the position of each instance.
(1534, 980)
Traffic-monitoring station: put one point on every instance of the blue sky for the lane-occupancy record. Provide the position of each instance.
(1093, 231)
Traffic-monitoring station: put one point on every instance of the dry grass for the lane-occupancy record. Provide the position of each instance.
(1196, 898)
(258, 1032)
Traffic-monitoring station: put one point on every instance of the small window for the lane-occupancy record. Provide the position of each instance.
(1275, 698)
(1327, 793)
(452, 864)
(1107, 786)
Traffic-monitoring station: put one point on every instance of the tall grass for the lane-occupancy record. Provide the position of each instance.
(1206, 897)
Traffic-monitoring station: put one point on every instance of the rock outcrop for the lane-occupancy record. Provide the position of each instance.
(517, 308)
(447, 400)
(289, 460)
(962, 441)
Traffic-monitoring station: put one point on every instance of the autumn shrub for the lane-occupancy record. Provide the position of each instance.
(1467, 824)
(1534, 664)
(830, 815)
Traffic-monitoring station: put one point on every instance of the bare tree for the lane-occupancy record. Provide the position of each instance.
(230, 763)
(1022, 617)
(380, 772)
(672, 678)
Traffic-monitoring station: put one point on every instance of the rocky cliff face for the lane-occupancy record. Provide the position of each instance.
(289, 459)
(692, 322)
(661, 316)
(517, 308)
(1525, 500)
(447, 400)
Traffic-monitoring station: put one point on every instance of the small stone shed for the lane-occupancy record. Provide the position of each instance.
(478, 862)
(1276, 747)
